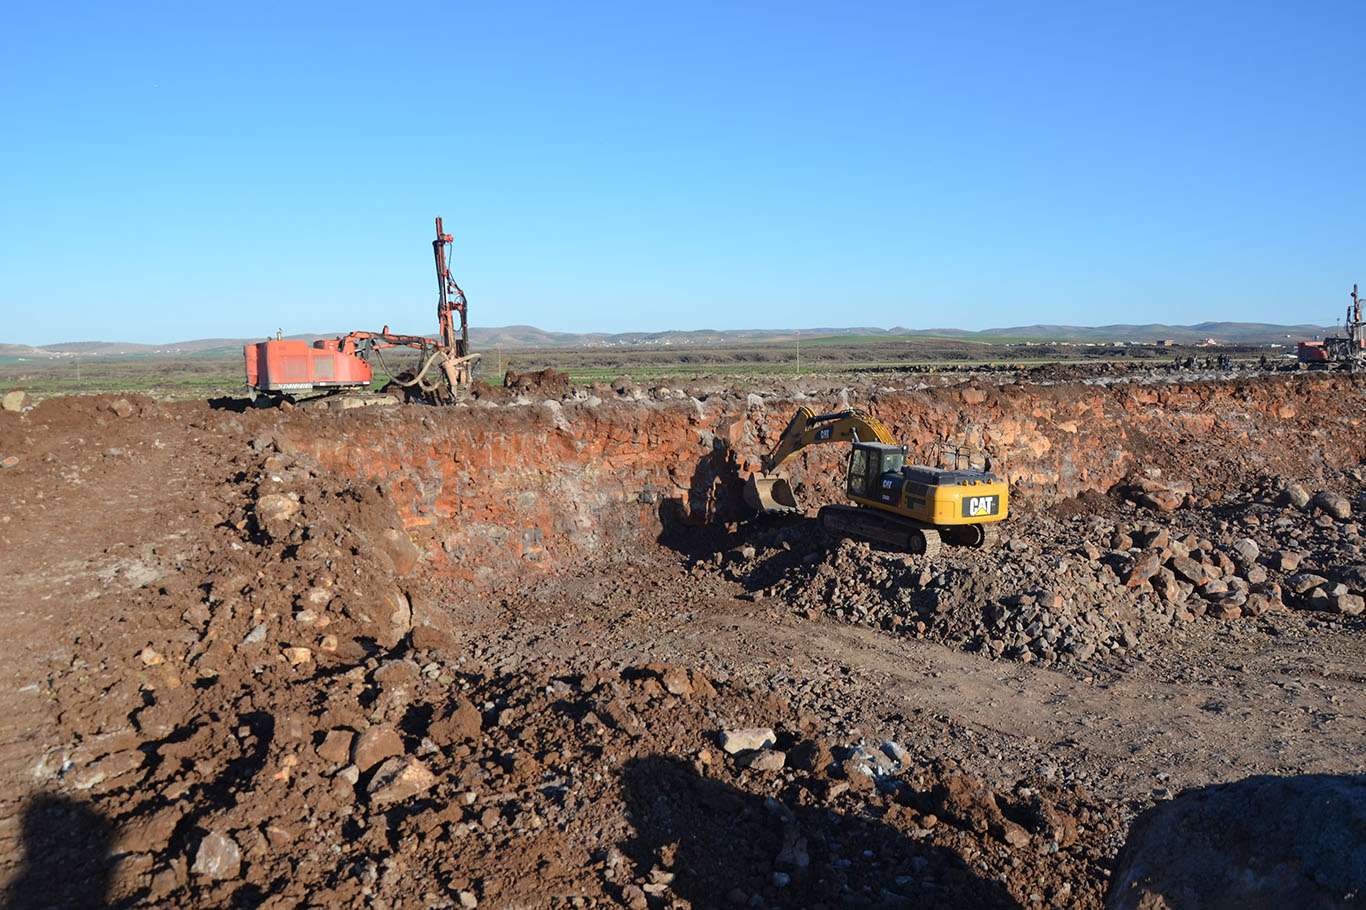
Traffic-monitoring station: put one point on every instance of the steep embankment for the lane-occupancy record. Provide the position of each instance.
(492, 491)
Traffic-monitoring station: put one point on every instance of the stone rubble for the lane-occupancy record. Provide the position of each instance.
(1104, 582)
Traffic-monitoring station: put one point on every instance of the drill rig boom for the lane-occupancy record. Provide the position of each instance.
(281, 367)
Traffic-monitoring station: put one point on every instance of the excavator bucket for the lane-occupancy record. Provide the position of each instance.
(770, 494)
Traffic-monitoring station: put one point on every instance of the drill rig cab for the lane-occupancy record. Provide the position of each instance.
(910, 507)
(1347, 350)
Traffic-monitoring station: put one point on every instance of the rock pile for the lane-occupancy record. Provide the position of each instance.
(1086, 584)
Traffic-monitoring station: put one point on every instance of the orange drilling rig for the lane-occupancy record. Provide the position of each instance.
(285, 368)
(1347, 350)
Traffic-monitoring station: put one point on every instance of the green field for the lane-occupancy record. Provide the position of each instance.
(645, 374)
(219, 372)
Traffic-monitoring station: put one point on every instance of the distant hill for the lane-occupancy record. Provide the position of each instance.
(1227, 332)
(525, 337)
(1230, 332)
(92, 349)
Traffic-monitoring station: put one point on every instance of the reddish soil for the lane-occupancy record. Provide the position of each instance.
(415, 658)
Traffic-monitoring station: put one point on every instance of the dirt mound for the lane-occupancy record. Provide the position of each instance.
(547, 383)
(102, 417)
(1259, 842)
(84, 411)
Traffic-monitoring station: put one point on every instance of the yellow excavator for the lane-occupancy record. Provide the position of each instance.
(910, 507)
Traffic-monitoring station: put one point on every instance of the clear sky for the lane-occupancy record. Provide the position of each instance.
(185, 170)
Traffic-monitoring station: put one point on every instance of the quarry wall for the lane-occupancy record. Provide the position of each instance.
(542, 486)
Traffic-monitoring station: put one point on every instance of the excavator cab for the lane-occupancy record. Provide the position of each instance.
(873, 468)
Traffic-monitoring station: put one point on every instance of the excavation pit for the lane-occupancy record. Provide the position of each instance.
(487, 653)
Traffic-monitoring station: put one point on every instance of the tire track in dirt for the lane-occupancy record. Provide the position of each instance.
(1267, 717)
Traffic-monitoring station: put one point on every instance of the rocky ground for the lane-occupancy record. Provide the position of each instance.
(1094, 583)
(239, 676)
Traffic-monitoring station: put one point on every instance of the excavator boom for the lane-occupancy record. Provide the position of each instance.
(767, 492)
(914, 507)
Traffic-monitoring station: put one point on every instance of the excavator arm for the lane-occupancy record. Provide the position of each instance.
(768, 492)
(808, 428)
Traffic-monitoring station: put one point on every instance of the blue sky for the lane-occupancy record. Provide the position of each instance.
(185, 170)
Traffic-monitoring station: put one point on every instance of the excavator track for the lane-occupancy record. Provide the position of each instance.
(901, 533)
(977, 537)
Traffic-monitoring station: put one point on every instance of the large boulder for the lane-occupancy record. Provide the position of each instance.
(1354, 577)
(218, 857)
(275, 513)
(1334, 504)
(1294, 495)
(1260, 842)
(399, 779)
(401, 550)
(1155, 493)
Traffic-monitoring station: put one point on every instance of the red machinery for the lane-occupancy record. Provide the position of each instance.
(282, 367)
(1311, 352)
(1348, 349)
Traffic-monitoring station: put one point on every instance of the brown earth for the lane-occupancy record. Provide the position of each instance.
(483, 655)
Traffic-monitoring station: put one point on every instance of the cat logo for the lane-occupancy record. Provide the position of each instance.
(978, 506)
(824, 433)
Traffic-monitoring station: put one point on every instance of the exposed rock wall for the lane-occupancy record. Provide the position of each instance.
(491, 491)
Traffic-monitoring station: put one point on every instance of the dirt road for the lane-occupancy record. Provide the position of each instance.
(1232, 704)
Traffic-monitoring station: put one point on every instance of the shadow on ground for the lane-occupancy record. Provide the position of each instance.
(694, 526)
(66, 861)
(235, 403)
(1263, 841)
(726, 847)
